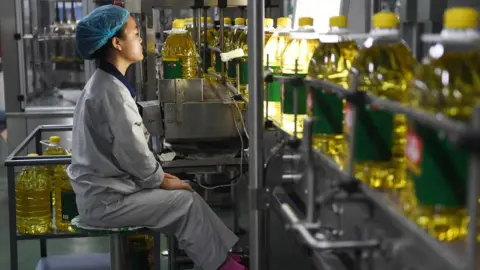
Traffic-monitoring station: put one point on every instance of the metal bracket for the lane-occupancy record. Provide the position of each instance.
(260, 198)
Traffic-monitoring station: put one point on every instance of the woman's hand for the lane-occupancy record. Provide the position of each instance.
(171, 182)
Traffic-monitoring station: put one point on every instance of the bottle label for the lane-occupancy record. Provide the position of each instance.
(274, 90)
(327, 107)
(288, 95)
(437, 167)
(172, 68)
(218, 62)
(69, 205)
(373, 133)
(244, 70)
(232, 69)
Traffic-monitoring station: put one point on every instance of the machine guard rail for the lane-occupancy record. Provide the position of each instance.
(14, 160)
(463, 135)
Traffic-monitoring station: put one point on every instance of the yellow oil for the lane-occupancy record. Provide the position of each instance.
(272, 58)
(447, 84)
(32, 199)
(179, 46)
(295, 61)
(332, 62)
(385, 69)
(60, 182)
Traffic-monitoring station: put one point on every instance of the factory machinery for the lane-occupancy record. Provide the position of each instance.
(337, 222)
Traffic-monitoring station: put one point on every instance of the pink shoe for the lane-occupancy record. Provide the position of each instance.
(231, 264)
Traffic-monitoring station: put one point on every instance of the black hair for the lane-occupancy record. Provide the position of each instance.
(104, 51)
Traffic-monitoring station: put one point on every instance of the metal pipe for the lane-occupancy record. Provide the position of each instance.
(353, 128)
(205, 40)
(255, 112)
(309, 167)
(324, 245)
(118, 249)
(474, 176)
(222, 39)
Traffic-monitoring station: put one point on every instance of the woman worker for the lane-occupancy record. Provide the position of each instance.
(116, 178)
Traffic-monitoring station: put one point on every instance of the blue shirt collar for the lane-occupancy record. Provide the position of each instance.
(112, 70)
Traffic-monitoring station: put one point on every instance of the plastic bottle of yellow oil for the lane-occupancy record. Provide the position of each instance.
(268, 29)
(65, 202)
(331, 61)
(216, 60)
(272, 58)
(448, 82)
(238, 40)
(385, 67)
(32, 199)
(211, 33)
(295, 61)
(179, 54)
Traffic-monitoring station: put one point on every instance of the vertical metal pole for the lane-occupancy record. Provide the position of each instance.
(172, 255)
(118, 250)
(205, 40)
(222, 39)
(156, 250)
(43, 248)
(255, 119)
(12, 218)
(310, 171)
(474, 176)
(351, 138)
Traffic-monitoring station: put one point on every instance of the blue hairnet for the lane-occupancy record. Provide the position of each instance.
(98, 27)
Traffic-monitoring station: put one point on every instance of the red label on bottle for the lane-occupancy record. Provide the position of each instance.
(309, 102)
(413, 151)
(348, 118)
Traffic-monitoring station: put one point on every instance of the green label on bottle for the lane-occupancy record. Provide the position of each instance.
(438, 168)
(289, 97)
(69, 205)
(374, 133)
(327, 107)
(172, 69)
(275, 88)
(218, 62)
(244, 70)
(232, 69)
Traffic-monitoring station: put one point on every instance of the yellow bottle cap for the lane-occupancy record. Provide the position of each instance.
(460, 18)
(227, 21)
(188, 20)
(246, 21)
(385, 20)
(33, 155)
(305, 21)
(284, 22)
(209, 19)
(178, 23)
(268, 22)
(339, 21)
(55, 139)
(239, 21)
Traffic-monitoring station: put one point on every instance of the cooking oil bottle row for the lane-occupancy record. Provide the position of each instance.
(43, 190)
(393, 154)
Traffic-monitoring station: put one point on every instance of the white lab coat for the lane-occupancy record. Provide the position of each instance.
(116, 178)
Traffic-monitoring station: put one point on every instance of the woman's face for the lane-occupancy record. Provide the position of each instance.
(130, 45)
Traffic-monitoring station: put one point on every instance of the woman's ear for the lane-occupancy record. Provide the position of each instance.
(116, 43)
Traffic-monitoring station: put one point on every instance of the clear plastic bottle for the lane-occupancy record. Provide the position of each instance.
(65, 202)
(179, 54)
(331, 61)
(447, 83)
(32, 199)
(272, 58)
(385, 67)
(295, 61)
